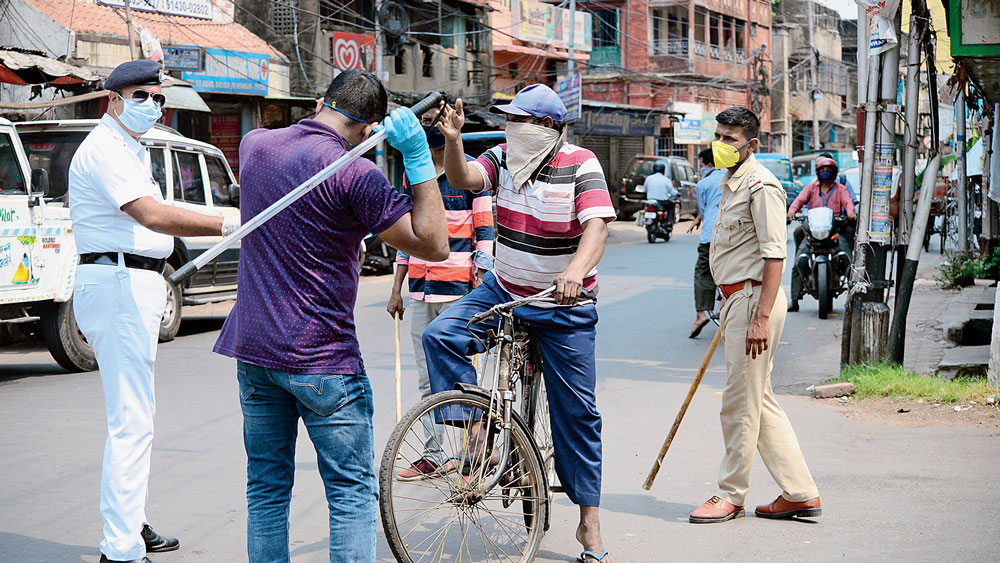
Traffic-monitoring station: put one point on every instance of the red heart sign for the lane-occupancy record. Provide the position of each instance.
(346, 54)
(348, 49)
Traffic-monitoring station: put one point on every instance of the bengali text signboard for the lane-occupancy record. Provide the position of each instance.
(231, 72)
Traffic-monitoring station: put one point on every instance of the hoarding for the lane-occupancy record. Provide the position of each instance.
(231, 72)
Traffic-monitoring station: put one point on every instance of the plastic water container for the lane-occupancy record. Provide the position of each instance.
(820, 222)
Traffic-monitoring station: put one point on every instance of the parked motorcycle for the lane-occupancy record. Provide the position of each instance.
(659, 218)
(825, 265)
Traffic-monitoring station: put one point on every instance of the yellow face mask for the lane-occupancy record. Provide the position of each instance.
(725, 155)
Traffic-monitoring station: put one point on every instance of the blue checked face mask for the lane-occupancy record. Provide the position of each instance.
(139, 116)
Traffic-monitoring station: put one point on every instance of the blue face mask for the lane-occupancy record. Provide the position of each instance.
(140, 116)
(826, 175)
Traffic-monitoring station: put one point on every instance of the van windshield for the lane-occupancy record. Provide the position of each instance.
(53, 151)
(11, 178)
(779, 167)
(644, 167)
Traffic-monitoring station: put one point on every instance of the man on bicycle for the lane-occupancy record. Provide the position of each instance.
(553, 207)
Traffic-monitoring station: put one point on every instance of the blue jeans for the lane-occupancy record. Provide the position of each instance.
(337, 412)
(566, 337)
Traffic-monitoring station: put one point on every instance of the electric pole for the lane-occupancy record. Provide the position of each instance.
(128, 21)
(813, 78)
(379, 72)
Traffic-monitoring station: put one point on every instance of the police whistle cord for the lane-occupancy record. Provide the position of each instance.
(198, 263)
(684, 407)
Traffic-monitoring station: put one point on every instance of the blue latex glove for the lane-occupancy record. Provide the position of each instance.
(404, 133)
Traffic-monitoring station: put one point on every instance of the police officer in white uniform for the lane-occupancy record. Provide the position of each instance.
(123, 232)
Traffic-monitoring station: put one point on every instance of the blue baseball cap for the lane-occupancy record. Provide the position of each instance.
(537, 100)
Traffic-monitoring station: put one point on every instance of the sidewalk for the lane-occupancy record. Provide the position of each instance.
(925, 342)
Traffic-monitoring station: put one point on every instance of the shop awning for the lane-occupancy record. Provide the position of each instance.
(184, 97)
(534, 51)
(25, 69)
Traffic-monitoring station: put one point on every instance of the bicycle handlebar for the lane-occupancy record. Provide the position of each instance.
(586, 296)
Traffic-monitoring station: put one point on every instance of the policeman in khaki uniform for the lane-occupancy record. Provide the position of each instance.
(748, 248)
(124, 231)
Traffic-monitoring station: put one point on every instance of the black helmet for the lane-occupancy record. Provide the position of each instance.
(658, 166)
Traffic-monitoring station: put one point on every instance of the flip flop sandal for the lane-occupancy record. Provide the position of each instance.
(697, 329)
(583, 556)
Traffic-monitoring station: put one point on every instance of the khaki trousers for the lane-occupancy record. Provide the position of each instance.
(751, 418)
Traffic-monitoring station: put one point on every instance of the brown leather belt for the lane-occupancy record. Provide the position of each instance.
(131, 260)
(731, 288)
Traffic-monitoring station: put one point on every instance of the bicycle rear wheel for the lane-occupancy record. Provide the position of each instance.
(446, 516)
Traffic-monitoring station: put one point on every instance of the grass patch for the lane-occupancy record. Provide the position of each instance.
(894, 382)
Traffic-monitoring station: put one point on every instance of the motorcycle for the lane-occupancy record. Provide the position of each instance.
(824, 266)
(660, 218)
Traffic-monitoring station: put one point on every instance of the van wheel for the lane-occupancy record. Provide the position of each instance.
(64, 339)
(171, 321)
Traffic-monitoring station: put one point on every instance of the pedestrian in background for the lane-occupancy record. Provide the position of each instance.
(708, 194)
(749, 247)
(124, 231)
(292, 328)
(434, 286)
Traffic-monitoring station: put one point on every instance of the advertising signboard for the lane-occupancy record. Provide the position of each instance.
(231, 72)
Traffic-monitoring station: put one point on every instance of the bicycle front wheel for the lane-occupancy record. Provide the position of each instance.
(442, 513)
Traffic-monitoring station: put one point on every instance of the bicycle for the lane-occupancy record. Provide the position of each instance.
(496, 488)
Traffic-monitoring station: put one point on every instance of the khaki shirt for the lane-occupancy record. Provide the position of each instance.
(750, 226)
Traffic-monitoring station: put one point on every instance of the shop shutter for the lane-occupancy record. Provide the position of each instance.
(600, 145)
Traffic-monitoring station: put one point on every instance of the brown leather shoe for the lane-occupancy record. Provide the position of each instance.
(783, 509)
(714, 510)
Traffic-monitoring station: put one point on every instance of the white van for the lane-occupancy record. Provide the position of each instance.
(191, 174)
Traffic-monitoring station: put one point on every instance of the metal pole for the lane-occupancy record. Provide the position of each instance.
(851, 334)
(897, 332)
(572, 36)
(963, 217)
(380, 73)
(814, 78)
(911, 135)
(128, 21)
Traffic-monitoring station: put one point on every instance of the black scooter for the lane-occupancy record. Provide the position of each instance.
(659, 218)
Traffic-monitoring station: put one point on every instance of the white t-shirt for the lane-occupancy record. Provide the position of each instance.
(109, 170)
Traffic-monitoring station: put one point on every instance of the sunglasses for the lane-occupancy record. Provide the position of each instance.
(143, 95)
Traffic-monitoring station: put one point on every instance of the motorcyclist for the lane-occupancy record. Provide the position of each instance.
(659, 188)
(824, 191)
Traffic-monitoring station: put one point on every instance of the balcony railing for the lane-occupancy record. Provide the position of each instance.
(606, 56)
(700, 49)
(728, 55)
(716, 52)
(741, 56)
(673, 47)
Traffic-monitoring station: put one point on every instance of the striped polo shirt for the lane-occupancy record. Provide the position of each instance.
(470, 232)
(539, 226)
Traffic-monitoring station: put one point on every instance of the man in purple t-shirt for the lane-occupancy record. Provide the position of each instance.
(292, 328)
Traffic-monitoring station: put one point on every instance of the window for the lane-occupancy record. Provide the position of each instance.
(158, 166)
(218, 180)
(427, 61)
(283, 18)
(188, 184)
(605, 28)
(53, 151)
(11, 177)
(399, 61)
